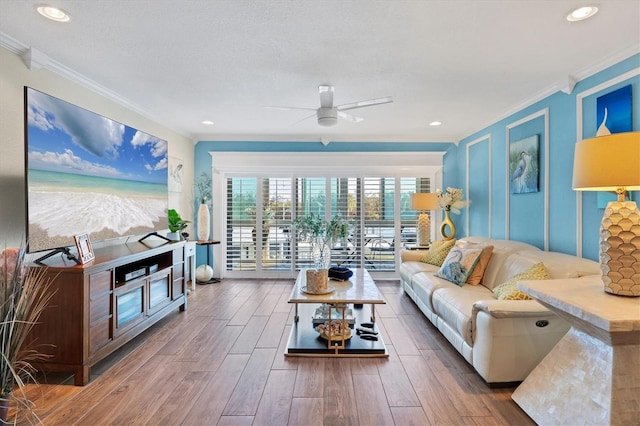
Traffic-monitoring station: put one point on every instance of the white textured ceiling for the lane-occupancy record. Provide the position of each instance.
(466, 63)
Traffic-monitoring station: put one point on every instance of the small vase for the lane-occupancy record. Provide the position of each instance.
(204, 222)
(447, 222)
(321, 254)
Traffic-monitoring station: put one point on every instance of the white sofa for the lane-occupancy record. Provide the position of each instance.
(503, 339)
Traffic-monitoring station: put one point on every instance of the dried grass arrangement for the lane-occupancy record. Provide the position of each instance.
(23, 297)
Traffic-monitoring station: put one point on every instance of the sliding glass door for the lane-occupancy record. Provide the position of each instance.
(259, 212)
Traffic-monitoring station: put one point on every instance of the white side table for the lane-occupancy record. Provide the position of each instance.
(592, 376)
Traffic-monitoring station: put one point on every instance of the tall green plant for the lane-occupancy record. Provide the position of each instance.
(24, 294)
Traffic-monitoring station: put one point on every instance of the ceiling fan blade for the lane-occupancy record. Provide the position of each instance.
(326, 96)
(367, 103)
(350, 117)
(305, 118)
(287, 108)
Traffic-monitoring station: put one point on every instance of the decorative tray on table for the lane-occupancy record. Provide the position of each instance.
(336, 330)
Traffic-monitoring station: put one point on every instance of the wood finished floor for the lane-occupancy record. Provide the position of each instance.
(221, 363)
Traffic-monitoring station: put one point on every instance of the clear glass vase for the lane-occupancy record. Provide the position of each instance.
(321, 254)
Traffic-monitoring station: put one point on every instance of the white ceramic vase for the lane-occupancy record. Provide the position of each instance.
(204, 222)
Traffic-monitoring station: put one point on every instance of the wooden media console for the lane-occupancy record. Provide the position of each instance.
(99, 306)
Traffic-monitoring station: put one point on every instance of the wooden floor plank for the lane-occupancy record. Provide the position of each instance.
(396, 384)
(245, 312)
(210, 403)
(399, 337)
(275, 403)
(409, 416)
(371, 401)
(457, 388)
(438, 408)
(306, 412)
(247, 340)
(310, 378)
(272, 332)
(340, 407)
(182, 398)
(246, 396)
(210, 357)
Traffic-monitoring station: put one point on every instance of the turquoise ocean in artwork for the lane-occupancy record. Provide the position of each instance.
(67, 182)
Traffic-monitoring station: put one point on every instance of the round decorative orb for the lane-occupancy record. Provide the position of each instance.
(204, 273)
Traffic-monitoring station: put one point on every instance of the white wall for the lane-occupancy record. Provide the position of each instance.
(14, 75)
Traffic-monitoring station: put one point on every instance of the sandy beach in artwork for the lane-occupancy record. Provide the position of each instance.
(57, 214)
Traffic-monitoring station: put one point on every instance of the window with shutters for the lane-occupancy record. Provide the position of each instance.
(260, 212)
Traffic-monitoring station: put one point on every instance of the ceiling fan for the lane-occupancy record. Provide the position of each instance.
(328, 114)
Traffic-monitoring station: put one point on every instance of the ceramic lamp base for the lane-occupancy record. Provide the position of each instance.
(423, 233)
(620, 248)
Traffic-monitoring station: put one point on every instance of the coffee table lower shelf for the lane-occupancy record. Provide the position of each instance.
(304, 340)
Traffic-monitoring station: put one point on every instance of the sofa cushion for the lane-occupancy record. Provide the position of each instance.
(409, 269)
(561, 265)
(454, 305)
(424, 285)
(438, 252)
(459, 264)
(509, 291)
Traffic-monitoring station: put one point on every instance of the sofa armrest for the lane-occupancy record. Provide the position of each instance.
(412, 255)
(511, 337)
(510, 308)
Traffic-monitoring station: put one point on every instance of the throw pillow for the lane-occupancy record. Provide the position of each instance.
(438, 252)
(509, 290)
(478, 272)
(459, 264)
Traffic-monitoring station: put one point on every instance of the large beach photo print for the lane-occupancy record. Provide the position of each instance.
(89, 174)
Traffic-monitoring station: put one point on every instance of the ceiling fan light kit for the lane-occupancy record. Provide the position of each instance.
(327, 116)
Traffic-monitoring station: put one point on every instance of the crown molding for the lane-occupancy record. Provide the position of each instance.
(34, 60)
(567, 85)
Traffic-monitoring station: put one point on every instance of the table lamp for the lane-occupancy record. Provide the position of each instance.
(612, 163)
(423, 202)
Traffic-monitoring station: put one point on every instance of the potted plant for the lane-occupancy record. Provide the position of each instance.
(23, 297)
(176, 225)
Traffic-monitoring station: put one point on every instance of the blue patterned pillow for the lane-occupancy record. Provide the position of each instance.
(459, 264)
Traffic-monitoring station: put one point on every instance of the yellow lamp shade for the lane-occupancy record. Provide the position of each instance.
(423, 201)
(607, 163)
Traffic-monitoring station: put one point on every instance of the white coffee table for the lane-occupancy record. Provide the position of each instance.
(361, 291)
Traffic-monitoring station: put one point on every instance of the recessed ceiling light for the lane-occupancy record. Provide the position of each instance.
(435, 123)
(582, 13)
(53, 13)
(208, 122)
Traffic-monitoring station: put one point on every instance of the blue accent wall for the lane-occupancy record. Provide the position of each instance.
(522, 216)
(205, 150)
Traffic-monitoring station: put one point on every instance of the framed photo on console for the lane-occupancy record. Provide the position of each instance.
(85, 251)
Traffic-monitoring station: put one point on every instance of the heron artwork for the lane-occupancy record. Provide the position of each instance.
(524, 166)
(520, 172)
